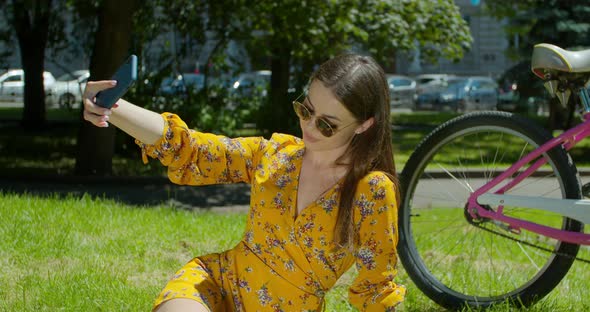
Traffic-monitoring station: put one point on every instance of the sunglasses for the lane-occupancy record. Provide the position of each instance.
(321, 123)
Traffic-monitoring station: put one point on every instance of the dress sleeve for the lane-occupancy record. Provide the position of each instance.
(195, 158)
(375, 218)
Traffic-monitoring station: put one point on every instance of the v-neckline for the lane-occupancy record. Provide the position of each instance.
(296, 213)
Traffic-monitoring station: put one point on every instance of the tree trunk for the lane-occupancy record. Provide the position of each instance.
(274, 115)
(31, 23)
(279, 96)
(390, 64)
(111, 48)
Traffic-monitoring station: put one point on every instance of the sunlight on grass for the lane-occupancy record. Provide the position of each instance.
(99, 255)
(85, 254)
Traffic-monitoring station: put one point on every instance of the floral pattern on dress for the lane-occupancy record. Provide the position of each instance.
(285, 261)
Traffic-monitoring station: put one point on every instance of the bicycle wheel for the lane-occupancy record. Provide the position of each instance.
(458, 262)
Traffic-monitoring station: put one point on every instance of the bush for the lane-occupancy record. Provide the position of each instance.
(215, 108)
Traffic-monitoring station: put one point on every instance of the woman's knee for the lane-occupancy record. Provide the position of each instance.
(182, 305)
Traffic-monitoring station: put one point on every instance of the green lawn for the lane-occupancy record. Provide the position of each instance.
(15, 113)
(91, 254)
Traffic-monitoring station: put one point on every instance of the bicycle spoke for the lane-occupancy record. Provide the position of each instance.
(466, 186)
(527, 255)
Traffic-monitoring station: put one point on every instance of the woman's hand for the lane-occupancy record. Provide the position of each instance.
(98, 116)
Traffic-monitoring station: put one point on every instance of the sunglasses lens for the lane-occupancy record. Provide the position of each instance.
(301, 111)
(321, 124)
(324, 127)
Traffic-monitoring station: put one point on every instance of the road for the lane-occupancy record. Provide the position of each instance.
(11, 104)
(450, 193)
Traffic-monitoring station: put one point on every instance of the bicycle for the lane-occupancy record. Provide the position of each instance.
(492, 207)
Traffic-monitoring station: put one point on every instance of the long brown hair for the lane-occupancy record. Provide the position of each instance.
(360, 84)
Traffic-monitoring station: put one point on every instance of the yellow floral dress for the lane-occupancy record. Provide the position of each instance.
(283, 262)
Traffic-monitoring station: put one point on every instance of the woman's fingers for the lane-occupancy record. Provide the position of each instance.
(98, 116)
(96, 119)
(93, 87)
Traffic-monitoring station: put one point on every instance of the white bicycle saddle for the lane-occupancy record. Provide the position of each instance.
(551, 57)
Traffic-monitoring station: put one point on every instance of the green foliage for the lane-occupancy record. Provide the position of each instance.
(317, 30)
(560, 22)
(212, 109)
(309, 31)
(298, 35)
(301, 34)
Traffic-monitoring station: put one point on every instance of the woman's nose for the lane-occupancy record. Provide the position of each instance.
(309, 124)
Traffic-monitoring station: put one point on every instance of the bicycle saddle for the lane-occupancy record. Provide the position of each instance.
(551, 57)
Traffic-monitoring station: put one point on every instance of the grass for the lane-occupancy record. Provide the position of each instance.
(455, 251)
(91, 254)
(412, 127)
(52, 150)
(20, 151)
(15, 113)
(83, 254)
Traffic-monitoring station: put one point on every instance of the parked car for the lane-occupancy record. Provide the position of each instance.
(429, 98)
(432, 82)
(248, 85)
(461, 94)
(191, 82)
(252, 83)
(402, 91)
(67, 90)
(471, 93)
(510, 99)
(12, 85)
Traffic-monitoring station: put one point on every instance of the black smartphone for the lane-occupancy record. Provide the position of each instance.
(125, 77)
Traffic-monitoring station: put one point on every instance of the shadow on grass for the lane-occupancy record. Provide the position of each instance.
(136, 191)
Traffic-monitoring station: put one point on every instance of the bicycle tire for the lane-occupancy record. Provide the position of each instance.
(457, 264)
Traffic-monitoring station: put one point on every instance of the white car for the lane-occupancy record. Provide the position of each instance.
(402, 91)
(68, 88)
(12, 85)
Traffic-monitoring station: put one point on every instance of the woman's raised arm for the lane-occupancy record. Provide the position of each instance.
(145, 125)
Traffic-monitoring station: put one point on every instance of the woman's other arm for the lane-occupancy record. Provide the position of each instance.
(374, 288)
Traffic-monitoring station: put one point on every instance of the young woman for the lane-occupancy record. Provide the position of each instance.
(318, 204)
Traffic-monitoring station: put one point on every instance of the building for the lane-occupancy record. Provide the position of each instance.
(487, 56)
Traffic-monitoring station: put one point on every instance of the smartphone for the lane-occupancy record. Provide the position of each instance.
(125, 77)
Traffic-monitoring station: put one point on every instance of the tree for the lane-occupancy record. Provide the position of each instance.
(559, 22)
(293, 35)
(112, 45)
(40, 29)
(296, 35)
(30, 20)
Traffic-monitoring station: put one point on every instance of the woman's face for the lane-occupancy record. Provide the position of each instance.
(321, 103)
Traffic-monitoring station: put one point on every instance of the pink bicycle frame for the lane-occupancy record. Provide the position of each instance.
(568, 140)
